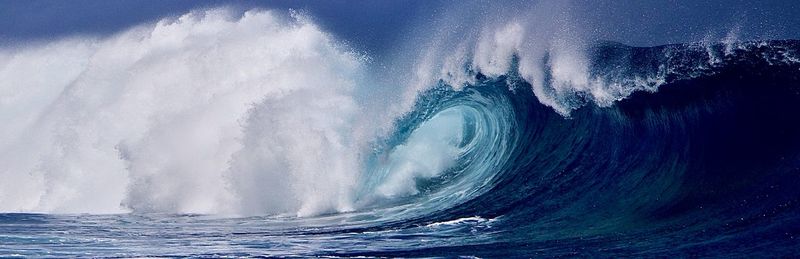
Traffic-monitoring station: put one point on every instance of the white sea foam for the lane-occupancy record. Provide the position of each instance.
(468, 220)
(211, 112)
(542, 32)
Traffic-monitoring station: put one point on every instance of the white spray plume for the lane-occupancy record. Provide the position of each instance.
(211, 112)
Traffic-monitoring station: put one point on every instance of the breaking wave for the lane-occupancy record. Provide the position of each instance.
(526, 126)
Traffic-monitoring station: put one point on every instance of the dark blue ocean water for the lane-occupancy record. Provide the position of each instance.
(25, 235)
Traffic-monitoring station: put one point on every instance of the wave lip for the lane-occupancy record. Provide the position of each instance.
(702, 155)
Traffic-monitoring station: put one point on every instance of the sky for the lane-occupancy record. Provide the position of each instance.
(374, 24)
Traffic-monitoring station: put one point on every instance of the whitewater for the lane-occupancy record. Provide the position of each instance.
(226, 132)
(219, 112)
(185, 116)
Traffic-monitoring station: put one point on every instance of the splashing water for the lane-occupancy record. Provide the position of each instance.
(258, 133)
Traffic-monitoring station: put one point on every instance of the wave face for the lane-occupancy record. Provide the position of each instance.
(706, 164)
(253, 133)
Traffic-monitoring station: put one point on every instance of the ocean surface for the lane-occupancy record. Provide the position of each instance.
(193, 137)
